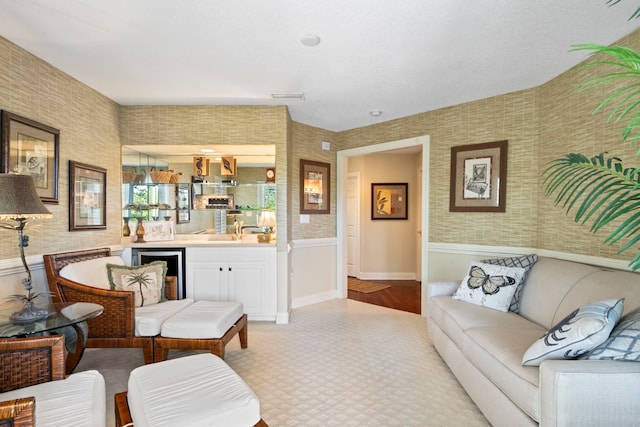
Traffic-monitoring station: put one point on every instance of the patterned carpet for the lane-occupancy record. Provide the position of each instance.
(338, 363)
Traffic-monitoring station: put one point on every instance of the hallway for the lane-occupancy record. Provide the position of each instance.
(401, 295)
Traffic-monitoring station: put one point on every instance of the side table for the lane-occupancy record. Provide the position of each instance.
(61, 315)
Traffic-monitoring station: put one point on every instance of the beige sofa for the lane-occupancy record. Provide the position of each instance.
(484, 349)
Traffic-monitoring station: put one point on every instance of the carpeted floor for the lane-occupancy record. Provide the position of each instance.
(337, 363)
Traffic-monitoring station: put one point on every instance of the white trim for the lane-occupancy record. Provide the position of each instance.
(313, 243)
(492, 251)
(388, 276)
(314, 299)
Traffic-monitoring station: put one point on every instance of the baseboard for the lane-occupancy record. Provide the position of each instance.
(313, 299)
(387, 276)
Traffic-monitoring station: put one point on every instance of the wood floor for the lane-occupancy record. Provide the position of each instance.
(401, 295)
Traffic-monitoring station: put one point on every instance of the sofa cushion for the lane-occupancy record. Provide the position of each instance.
(623, 343)
(491, 286)
(146, 281)
(149, 318)
(78, 400)
(203, 319)
(522, 261)
(456, 317)
(92, 272)
(576, 334)
(497, 353)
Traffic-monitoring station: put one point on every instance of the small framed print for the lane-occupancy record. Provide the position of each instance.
(87, 197)
(31, 148)
(479, 177)
(389, 201)
(315, 197)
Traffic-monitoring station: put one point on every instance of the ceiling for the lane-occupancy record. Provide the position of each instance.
(398, 57)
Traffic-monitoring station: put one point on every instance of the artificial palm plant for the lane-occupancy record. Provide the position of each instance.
(600, 189)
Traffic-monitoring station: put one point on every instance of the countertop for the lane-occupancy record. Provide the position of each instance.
(192, 240)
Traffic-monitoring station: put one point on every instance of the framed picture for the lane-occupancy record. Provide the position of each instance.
(87, 197)
(389, 201)
(158, 230)
(315, 197)
(478, 177)
(31, 148)
(183, 203)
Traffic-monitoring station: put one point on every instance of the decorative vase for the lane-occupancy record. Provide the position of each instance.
(126, 231)
(140, 232)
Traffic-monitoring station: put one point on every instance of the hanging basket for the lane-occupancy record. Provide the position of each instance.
(128, 177)
(160, 177)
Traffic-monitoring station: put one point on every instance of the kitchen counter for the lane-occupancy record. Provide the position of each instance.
(196, 240)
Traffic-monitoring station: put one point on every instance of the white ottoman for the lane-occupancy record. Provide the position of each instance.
(203, 325)
(200, 390)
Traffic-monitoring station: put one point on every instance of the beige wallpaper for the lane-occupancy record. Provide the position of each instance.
(539, 123)
(88, 124)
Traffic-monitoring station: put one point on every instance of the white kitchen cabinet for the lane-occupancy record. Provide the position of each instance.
(246, 274)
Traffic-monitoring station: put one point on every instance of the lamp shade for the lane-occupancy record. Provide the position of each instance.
(19, 199)
(267, 219)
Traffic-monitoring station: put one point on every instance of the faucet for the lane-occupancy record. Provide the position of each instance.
(238, 228)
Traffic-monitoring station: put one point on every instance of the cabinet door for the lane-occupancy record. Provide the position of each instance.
(246, 284)
(206, 281)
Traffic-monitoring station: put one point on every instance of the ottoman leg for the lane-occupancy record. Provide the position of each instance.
(244, 333)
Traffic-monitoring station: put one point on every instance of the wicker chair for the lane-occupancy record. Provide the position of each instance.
(115, 328)
(27, 362)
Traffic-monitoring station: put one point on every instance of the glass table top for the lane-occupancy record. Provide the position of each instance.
(60, 315)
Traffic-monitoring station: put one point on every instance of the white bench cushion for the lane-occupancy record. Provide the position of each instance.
(79, 400)
(203, 319)
(149, 318)
(200, 390)
(92, 272)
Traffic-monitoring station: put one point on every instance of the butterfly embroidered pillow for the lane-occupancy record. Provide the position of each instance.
(491, 286)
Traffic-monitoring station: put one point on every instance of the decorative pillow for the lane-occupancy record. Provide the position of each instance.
(490, 286)
(523, 261)
(146, 281)
(623, 343)
(576, 334)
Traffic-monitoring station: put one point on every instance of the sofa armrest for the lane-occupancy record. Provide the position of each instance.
(589, 393)
(435, 289)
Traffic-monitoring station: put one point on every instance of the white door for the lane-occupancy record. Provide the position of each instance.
(353, 224)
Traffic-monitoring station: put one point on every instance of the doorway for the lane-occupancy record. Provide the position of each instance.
(343, 221)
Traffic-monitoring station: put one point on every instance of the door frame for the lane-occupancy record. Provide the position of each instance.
(342, 172)
(356, 261)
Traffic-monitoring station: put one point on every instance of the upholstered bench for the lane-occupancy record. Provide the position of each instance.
(203, 325)
(199, 390)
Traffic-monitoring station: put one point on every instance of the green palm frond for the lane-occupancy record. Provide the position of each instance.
(600, 190)
(625, 101)
(636, 14)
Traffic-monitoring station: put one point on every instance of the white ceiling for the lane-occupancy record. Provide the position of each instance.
(400, 57)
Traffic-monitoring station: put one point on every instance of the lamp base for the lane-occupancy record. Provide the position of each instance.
(29, 313)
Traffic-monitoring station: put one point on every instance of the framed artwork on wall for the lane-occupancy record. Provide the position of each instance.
(389, 201)
(315, 187)
(478, 177)
(31, 148)
(87, 197)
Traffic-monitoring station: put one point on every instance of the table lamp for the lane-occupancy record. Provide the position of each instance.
(20, 202)
(267, 221)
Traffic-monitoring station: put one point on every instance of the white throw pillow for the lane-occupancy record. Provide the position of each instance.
(623, 342)
(524, 261)
(576, 334)
(490, 286)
